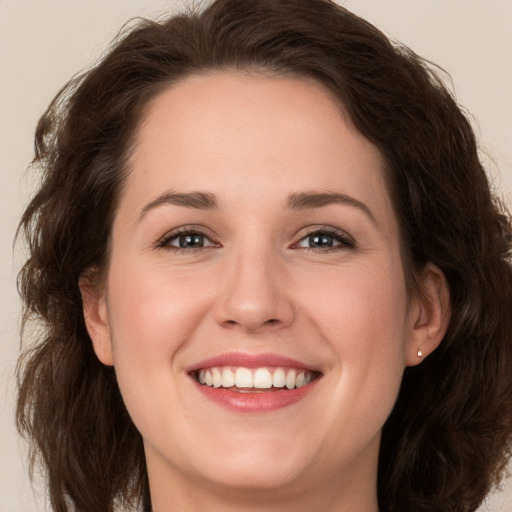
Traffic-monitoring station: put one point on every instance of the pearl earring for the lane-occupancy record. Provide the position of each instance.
(420, 353)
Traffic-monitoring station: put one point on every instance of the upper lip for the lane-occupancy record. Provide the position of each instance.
(245, 360)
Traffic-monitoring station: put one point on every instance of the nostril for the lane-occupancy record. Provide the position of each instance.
(270, 324)
(231, 324)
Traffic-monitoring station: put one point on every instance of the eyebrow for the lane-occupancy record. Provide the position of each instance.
(310, 200)
(298, 201)
(199, 200)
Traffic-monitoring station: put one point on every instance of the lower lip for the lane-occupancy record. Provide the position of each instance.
(261, 401)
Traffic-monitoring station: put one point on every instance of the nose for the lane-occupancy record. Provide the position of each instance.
(254, 295)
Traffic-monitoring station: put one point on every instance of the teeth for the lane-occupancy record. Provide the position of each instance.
(262, 379)
(258, 378)
(228, 378)
(216, 378)
(279, 378)
(300, 380)
(243, 378)
(291, 379)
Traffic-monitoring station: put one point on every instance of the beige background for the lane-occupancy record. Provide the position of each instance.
(44, 42)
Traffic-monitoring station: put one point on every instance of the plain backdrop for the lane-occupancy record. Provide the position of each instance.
(44, 42)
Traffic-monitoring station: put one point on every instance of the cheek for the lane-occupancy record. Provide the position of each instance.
(359, 308)
(361, 314)
(152, 314)
(151, 306)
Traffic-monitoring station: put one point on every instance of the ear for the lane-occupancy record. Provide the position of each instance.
(95, 309)
(430, 315)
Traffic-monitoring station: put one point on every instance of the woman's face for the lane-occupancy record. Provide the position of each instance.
(255, 245)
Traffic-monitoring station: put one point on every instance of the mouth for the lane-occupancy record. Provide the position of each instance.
(254, 380)
(254, 383)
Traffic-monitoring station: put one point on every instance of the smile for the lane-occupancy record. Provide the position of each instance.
(253, 383)
(252, 379)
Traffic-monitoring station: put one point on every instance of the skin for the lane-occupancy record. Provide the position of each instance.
(257, 287)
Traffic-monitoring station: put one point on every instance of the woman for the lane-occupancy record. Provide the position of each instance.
(271, 275)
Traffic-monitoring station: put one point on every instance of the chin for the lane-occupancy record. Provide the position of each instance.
(256, 474)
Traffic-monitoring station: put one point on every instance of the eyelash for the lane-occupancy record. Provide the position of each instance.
(165, 241)
(345, 241)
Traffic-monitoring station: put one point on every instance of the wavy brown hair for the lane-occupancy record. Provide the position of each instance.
(448, 438)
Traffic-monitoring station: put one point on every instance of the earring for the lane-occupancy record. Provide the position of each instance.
(420, 353)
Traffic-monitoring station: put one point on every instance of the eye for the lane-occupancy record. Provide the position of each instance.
(326, 239)
(186, 239)
(322, 240)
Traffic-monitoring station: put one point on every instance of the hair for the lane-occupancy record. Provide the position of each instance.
(448, 438)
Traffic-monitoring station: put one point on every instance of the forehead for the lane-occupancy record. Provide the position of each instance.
(261, 137)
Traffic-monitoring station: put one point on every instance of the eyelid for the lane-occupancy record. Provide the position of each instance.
(163, 241)
(347, 241)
